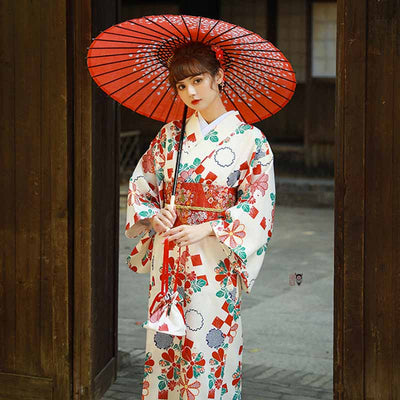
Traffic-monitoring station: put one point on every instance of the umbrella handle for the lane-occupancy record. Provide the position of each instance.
(172, 201)
(178, 158)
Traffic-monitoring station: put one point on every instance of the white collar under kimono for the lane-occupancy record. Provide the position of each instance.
(206, 127)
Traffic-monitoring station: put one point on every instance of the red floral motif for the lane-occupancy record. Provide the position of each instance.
(186, 174)
(273, 215)
(232, 332)
(172, 384)
(180, 278)
(234, 235)
(225, 271)
(148, 364)
(218, 383)
(260, 184)
(190, 389)
(148, 162)
(133, 198)
(189, 359)
(219, 358)
(145, 389)
(237, 375)
(170, 361)
(192, 276)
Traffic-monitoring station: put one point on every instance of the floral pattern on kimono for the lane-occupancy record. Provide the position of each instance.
(226, 178)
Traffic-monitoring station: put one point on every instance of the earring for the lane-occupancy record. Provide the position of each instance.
(221, 85)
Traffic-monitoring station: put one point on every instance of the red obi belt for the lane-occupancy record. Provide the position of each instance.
(196, 203)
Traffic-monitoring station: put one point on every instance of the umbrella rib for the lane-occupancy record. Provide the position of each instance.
(115, 48)
(262, 94)
(262, 105)
(184, 22)
(237, 94)
(121, 41)
(261, 50)
(241, 50)
(121, 77)
(128, 66)
(150, 94)
(184, 41)
(245, 44)
(115, 62)
(266, 79)
(133, 37)
(159, 102)
(134, 31)
(165, 29)
(109, 55)
(260, 63)
(170, 108)
(198, 29)
(141, 88)
(234, 38)
(234, 106)
(148, 54)
(222, 33)
(153, 30)
(211, 30)
(266, 72)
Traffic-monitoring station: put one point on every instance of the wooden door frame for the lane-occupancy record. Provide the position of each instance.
(355, 331)
(90, 105)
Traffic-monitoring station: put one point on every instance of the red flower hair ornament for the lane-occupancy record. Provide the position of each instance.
(219, 54)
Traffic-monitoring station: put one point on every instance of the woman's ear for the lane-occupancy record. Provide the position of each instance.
(220, 76)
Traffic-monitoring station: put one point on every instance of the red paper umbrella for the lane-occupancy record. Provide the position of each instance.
(129, 61)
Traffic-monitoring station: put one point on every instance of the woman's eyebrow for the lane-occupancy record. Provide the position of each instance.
(191, 77)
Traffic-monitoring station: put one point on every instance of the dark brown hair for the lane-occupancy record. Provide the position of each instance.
(191, 59)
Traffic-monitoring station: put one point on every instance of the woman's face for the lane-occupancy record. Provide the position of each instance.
(199, 92)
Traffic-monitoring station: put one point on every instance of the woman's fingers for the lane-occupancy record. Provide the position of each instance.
(158, 225)
(165, 220)
(171, 210)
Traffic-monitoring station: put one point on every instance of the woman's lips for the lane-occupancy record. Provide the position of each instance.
(195, 101)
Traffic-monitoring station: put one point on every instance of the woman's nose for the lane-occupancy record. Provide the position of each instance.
(191, 90)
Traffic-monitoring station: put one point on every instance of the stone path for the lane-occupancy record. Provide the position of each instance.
(259, 382)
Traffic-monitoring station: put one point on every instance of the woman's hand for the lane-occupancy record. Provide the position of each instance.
(164, 220)
(189, 234)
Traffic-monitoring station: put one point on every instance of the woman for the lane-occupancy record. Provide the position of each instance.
(218, 230)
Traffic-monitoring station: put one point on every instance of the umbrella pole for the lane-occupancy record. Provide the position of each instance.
(172, 201)
(178, 158)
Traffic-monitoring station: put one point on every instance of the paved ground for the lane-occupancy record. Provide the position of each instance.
(288, 330)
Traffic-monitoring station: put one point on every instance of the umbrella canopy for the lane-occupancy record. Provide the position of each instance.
(129, 61)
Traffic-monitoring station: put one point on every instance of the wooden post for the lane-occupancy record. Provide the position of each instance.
(59, 222)
(367, 201)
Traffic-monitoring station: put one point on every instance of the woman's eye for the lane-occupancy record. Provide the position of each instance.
(181, 87)
(198, 80)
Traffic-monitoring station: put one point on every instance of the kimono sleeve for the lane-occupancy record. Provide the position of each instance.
(246, 230)
(143, 202)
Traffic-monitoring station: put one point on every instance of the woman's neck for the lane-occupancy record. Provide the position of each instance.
(214, 111)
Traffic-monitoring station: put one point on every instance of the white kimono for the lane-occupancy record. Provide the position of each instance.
(226, 177)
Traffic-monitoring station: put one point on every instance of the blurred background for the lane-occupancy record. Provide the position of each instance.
(302, 134)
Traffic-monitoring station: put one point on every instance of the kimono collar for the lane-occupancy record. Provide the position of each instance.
(206, 127)
(193, 125)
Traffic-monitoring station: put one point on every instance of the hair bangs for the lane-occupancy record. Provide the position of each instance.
(185, 69)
